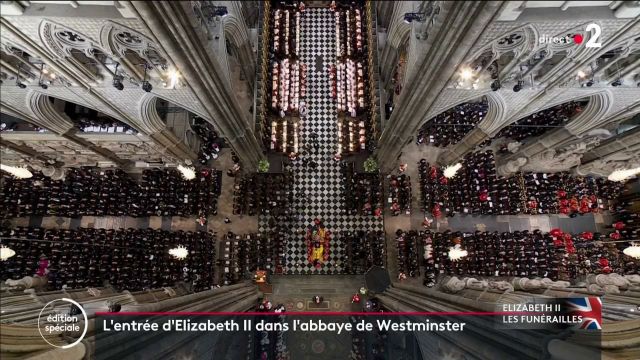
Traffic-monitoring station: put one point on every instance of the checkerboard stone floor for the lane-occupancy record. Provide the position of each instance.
(318, 192)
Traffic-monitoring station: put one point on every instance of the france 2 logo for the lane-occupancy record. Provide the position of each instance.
(576, 38)
(593, 40)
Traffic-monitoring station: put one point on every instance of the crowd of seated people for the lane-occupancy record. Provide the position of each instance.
(285, 136)
(626, 225)
(244, 254)
(473, 186)
(364, 249)
(96, 192)
(261, 193)
(233, 259)
(562, 193)
(538, 123)
(510, 195)
(362, 191)
(210, 142)
(409, 246)
(19, 126)
(128, 259)
(103, 125)
(270, 345)
(452, 125)
(400, 194)
(166, 193)
(555, 255)
(350, 79)
(358, 341)
(476, 189)
(288, 75)
(352, 134)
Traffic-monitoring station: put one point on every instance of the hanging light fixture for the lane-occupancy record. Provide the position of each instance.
(450, 171)
(633, 250)
(623, 174)
(19, 172)
(6, 253)
(188, 172)
(117, 79)
(146, 85)
(456, 253)
(179, 252)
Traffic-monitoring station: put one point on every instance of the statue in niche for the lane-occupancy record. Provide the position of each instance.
(512, 167)
(130, 148)
(513, 146)
(566, 157)
(605, 166)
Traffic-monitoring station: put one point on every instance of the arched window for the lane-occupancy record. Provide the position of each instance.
(135, 51)
(89, 120)
(85, 53)
(542, 121)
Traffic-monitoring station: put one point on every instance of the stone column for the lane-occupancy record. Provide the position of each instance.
(384, 10)
(247, 61)
(398, 33)
(239, 34)
(176, 31)
(486, 129)
(454, 32)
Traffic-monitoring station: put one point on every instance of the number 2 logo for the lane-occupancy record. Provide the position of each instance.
(593, 39)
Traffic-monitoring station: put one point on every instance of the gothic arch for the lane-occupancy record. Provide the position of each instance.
(129, 46)
(179, 145)
(69, 44)
(496, 114)
(623, 49)
(118, 39)
(591, 117)
(235, 30)
(443, 105)
(43, 109)
(27, 70)
(148, 114)
(61, 40)
(449, 106)
(521, 41)
(399, 33)
(46, 114)
(147, 107)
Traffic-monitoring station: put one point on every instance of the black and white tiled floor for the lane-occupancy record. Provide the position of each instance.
(318, 191)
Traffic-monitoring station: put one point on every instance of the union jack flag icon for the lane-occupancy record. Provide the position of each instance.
(590, 308)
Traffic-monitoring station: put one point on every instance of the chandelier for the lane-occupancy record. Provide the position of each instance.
(456, 253)
(623, 174)
(19, 172)
(6, 253)
(450, 171)
(179, 252)
(188, 172)
(633, 250)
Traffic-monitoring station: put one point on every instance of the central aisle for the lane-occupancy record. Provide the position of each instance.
(319, 191)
